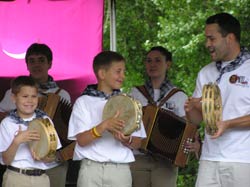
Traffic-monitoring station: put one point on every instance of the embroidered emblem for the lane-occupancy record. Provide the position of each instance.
(233, 79)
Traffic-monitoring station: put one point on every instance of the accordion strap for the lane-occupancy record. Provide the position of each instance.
(144, 91)
(57, 91)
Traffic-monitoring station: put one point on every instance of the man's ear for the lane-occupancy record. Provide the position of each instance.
(231, 37)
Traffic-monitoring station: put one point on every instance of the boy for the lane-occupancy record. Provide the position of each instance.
(39, 58)
(105, 152)
(23, 167)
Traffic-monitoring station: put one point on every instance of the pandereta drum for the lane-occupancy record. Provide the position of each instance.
(211, 107)
(46, 146)
(130, 111)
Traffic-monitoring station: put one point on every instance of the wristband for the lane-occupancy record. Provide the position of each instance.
(95, 133)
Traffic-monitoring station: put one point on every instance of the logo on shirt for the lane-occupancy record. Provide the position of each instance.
(239, 80)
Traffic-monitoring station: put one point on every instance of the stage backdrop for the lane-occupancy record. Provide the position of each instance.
(71, 28)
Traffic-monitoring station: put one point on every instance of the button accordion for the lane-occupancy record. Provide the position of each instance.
(166, 135)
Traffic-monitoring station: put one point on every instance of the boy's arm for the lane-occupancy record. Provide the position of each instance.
(134, 142)
(9, 155)
(21, 137)
(112, 125)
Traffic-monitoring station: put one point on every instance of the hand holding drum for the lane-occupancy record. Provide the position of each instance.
(46, 146)
(130, 111)
(211, 107)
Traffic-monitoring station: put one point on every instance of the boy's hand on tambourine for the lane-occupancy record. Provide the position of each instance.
(34, 156)
(46, 159)
(114, 124)
(125, 140)
(26, 136)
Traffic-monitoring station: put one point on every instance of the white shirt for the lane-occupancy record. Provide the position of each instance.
(234, 144)
(86, 114)
(23, 157)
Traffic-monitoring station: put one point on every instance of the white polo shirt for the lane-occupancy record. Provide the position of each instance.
(234, 144)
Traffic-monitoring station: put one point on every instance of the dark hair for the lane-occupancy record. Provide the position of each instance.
(38, 49)
(163, 51)
(104, 59)
(227, 23)
(21, 81)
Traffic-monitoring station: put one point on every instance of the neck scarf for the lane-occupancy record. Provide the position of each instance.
(166, 85)
(48, 85)
(91, 90)
(13, 115)
(240, 59)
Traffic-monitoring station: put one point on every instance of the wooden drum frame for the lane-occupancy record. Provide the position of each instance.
(46, 146)
(211, 107)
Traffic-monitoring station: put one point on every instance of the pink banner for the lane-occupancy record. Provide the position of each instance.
(71, 28)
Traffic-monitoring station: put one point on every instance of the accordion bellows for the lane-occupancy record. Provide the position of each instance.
(166, 135)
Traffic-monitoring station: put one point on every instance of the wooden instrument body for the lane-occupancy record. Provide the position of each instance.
(130, 111)
(167, 134)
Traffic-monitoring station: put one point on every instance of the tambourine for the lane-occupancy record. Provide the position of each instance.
(211, 107)
(130, 111)
(46, 146)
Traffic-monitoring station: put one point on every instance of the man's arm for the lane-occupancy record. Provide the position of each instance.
(240, 122)
(193, 110)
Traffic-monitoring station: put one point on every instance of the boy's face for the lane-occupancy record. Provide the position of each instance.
(26, 101)
(38, 66)
(113, 77)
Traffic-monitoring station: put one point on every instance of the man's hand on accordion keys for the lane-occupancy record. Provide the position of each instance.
(194, 145)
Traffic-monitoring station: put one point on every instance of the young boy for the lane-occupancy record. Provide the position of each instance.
(23, 166)
(105, 152)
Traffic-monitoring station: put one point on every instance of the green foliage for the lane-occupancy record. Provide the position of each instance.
(179, 26)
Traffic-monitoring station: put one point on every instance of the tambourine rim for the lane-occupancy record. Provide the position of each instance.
(49, 145)
(214, 112)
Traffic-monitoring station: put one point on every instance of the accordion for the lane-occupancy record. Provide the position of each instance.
(59, 110)
(166, 135)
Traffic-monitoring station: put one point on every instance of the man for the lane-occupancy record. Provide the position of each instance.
(39, 61)
(225, 160)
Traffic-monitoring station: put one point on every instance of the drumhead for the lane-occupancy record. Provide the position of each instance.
(130, 111)
(48, 142)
